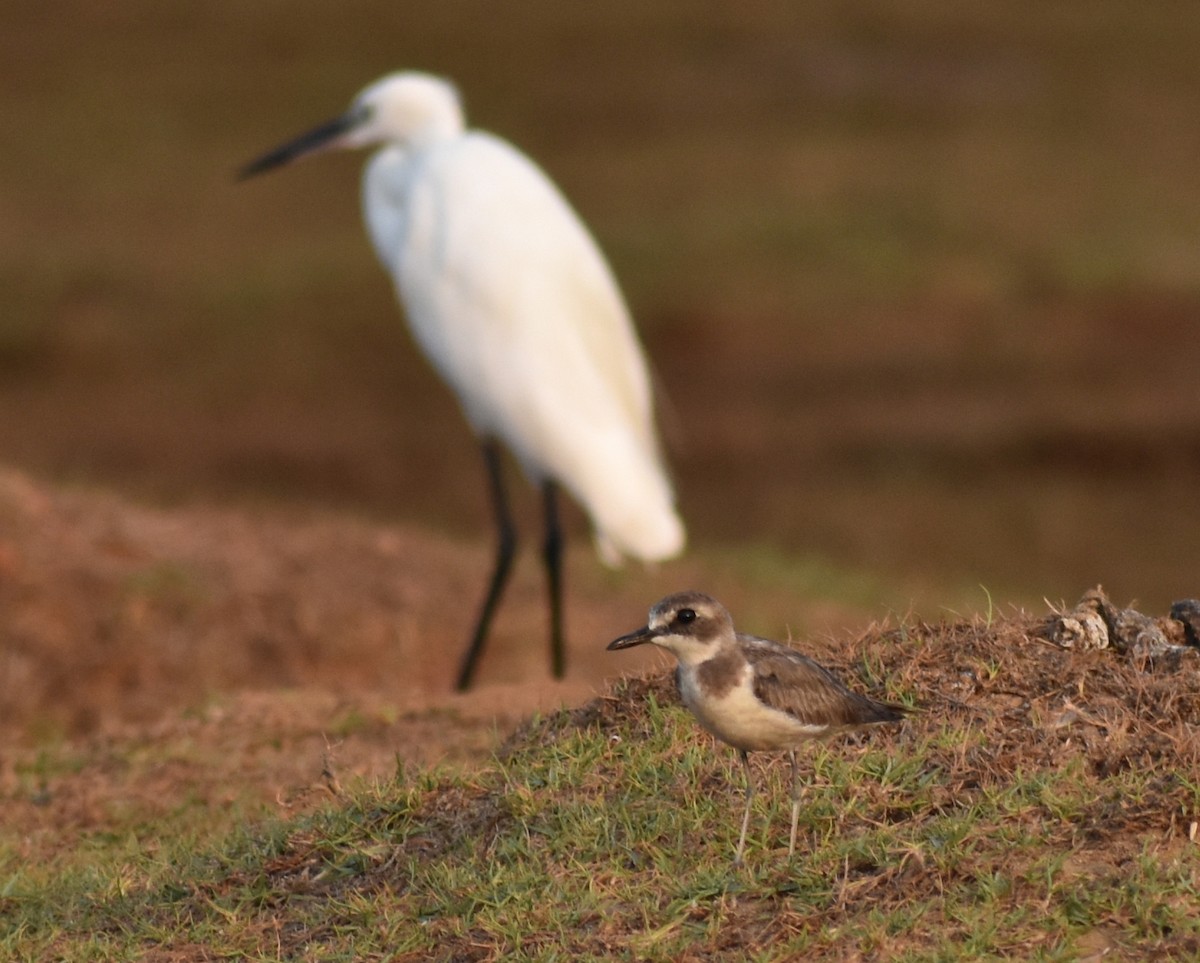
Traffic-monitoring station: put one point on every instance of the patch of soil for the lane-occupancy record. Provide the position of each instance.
(154, 659)
(151, 656)
(115, 613)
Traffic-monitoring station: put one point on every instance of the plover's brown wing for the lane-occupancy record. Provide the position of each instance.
(793, 683)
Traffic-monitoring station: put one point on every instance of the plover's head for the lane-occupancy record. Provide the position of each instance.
(689, 624)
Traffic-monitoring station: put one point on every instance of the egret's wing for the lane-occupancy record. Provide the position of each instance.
(571, 298)
(511, 300)
(611, 339)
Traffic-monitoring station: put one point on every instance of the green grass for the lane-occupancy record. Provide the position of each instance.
(607, 831)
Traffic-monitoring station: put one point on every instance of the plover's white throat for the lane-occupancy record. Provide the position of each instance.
(752, 693)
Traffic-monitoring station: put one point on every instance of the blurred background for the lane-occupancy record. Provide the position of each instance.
(920, 280)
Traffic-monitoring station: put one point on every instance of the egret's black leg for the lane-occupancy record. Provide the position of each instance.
(506, 548)
(552, 550)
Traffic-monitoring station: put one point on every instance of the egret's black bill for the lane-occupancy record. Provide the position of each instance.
(307, 143)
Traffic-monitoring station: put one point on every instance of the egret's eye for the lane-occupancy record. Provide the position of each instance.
(685, 616)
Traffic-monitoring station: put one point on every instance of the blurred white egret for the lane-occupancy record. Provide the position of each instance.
(513, 303)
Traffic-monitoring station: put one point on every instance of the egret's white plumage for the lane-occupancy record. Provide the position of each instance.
(508, 295)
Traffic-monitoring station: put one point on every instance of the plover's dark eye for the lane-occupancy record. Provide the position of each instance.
(686, 615)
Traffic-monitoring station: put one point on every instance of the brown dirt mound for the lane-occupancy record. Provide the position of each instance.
(115, 613)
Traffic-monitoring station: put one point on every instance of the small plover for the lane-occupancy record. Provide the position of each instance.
(749, 692)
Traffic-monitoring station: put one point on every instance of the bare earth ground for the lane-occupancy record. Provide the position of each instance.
(157, 659)
(188, 668)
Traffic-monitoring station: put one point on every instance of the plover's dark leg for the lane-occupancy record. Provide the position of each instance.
(741, 846)
(795, 801)
(506, 547)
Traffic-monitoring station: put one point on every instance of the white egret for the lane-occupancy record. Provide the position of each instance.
(511, 300)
